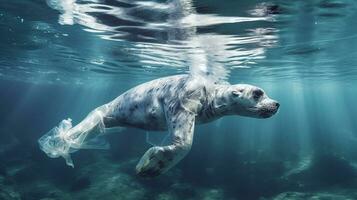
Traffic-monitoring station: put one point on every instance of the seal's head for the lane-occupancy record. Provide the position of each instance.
(250, 101)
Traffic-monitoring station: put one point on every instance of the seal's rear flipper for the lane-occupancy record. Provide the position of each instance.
(89, 134)
(98, 142)
(63, 140)
(54, 144)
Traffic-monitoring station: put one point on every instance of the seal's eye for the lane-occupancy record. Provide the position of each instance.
(257, 94)
(235, 93)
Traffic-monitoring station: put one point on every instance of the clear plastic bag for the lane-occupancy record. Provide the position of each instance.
(64, 139)
(54, 143)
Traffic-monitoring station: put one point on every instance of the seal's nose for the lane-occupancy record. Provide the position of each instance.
(277, 105)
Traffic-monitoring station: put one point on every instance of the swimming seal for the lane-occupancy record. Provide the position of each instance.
(174, 103)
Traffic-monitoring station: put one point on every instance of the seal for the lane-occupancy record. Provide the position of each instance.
(174, 103)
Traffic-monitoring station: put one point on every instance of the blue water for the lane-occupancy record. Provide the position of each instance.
(62, 59)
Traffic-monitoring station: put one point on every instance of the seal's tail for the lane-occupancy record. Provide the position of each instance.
(54, 142)
(63, 140)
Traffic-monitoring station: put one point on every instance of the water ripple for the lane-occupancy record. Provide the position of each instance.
(93, 39)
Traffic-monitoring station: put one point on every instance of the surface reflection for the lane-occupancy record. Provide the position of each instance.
(166, 34)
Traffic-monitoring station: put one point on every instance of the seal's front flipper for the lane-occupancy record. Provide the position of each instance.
(159, 159)
(158, 138)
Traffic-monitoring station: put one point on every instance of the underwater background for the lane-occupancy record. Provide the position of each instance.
(63, 58)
